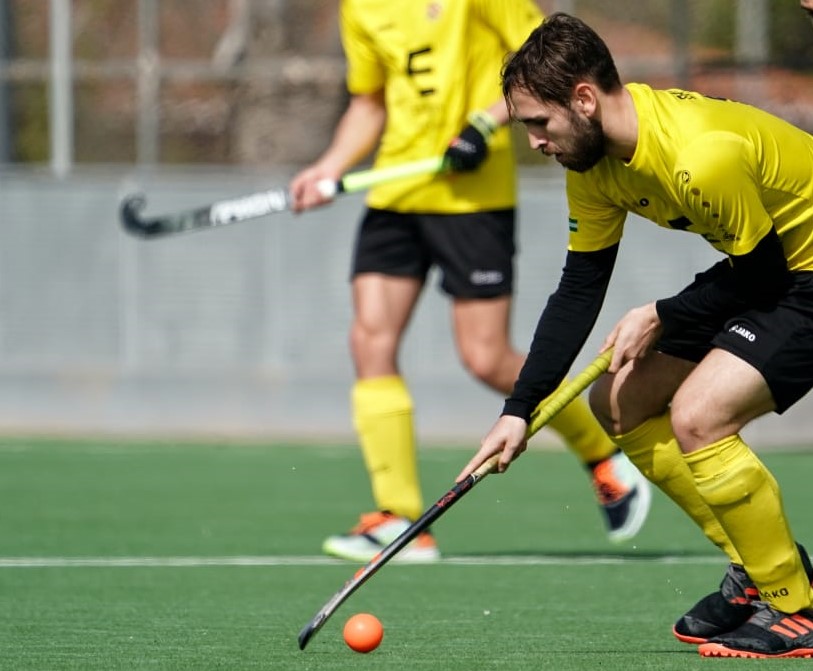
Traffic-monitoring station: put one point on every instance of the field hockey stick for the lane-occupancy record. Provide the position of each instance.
(543, 413)
(224, 212)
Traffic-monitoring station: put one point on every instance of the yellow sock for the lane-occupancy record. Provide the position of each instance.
(653, 448)
(746, 499)
(581, 432)
(382, 415)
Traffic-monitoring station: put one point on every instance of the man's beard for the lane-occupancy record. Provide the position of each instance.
(588, 145)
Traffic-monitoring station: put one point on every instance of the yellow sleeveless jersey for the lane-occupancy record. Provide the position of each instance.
(724, 170)
(437, 62)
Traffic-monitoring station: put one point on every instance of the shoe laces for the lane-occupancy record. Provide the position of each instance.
(608, 488)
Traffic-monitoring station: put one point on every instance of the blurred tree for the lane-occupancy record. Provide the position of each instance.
(261, 82)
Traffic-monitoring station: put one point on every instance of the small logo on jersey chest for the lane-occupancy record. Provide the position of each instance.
(433, 11)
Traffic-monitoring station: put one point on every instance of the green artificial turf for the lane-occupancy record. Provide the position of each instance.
(529, 580)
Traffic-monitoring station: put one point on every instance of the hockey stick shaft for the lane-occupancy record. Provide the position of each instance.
(232, 211)
(543, 413)
(554, 403)
(364, 179)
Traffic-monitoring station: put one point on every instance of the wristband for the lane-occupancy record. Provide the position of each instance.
(485, 124)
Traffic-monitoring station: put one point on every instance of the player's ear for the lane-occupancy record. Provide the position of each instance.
(584, 99)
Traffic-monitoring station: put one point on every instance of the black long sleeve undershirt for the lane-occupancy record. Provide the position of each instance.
(755, 280)
(563, 328)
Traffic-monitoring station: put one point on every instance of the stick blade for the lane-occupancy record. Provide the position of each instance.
(309, 630)
(131, 220)
(324, 613)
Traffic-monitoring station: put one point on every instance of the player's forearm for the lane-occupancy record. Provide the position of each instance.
(357, 134)
(563, 328)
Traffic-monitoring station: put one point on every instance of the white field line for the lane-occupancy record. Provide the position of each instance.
(294, 560)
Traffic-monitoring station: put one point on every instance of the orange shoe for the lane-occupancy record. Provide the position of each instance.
(623, 494)
(373, 533)
(720, 613)
(769, 634)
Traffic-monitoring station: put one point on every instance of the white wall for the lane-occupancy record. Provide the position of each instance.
(241, 331)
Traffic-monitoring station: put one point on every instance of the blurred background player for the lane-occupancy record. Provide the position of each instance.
(424, 81)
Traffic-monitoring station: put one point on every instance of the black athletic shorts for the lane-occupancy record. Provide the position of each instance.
(777, 342)
(474, 252)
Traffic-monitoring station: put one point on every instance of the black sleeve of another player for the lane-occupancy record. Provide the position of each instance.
(563, 327)
(757, 279)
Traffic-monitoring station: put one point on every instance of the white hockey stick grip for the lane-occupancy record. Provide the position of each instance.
(327, 188)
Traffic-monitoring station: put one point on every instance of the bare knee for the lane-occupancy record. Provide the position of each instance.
(691, 426)
(496, 367)
(695, 421)
(374, 350)
(481, 363)
(620, 403)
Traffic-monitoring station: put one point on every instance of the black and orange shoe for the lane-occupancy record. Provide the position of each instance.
(724, 611)
(719, 612)
(623, 494)
(768, 634)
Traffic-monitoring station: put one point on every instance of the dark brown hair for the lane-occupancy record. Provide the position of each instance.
(561, 52)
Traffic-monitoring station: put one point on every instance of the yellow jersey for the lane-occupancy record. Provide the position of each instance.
(436, 61)
(721, 169)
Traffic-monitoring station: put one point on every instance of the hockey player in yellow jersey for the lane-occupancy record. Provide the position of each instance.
(688, 372)
(424, 81)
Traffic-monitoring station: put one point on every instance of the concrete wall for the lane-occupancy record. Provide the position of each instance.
(241, 331)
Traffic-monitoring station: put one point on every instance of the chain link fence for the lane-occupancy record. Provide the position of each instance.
(260, 82)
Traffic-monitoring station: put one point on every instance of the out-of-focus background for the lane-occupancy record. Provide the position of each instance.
(242, 331)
